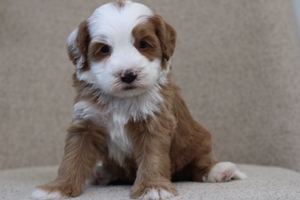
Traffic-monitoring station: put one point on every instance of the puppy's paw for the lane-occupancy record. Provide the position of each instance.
(101, 176)
(55, 190)
(43, 194)
(223, 172)
(154, 192)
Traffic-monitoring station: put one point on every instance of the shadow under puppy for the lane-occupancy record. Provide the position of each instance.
(128, 113)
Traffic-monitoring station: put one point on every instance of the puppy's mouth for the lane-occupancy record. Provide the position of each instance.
(119, 86)
(129, 87)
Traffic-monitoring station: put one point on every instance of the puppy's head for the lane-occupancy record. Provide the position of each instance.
(123, 49)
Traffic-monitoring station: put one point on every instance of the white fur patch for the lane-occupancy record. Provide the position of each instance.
(238, 175)
(103, 24)
(84, 110)
(164, 194)
(44, 195)
(223, 172)
(72, 46)
(154, 194)
(119, 146)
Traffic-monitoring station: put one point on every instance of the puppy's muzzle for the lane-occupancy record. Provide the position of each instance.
(128, 76)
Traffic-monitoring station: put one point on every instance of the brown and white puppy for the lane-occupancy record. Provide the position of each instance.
(128, 114)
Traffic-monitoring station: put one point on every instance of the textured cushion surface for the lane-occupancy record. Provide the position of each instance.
(263, 183)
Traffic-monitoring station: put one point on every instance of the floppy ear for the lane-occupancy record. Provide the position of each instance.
(77, 45)
(166, 35)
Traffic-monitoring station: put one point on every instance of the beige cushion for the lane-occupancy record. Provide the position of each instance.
(263, 183)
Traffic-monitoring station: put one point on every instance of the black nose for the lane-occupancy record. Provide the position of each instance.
(128, 77)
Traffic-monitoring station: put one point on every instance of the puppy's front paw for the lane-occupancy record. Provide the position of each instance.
(223, 172)
(149, 192)
(55, 190)
(155, 194)
(42, 194)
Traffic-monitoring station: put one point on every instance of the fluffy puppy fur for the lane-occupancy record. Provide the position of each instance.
(128, 113)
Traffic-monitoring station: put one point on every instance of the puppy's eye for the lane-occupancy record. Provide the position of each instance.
(143, 45)
(105, 49)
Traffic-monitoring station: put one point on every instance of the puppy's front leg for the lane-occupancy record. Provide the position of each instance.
(81, 154)
(152, 146)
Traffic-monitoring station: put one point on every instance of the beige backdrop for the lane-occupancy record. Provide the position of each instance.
(236, 61)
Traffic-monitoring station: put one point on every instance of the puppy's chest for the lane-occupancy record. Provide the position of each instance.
(114, 121)
(115, 117)
(119, 144)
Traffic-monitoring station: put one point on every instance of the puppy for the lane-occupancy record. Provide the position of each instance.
(128, 113)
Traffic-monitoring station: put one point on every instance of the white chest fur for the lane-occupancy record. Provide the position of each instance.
(115, 117)
(118, 143)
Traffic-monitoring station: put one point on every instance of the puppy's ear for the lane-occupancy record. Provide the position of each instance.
(77, 45)
(167, 36)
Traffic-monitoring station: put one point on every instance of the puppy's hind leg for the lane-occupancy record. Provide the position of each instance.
(201, 166)
(208, 169)
(223, 172)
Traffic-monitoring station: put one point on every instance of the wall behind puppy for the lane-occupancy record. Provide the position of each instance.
(237, 63)
(296, 6)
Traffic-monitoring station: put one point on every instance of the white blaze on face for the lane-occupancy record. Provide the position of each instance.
(112, 25)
